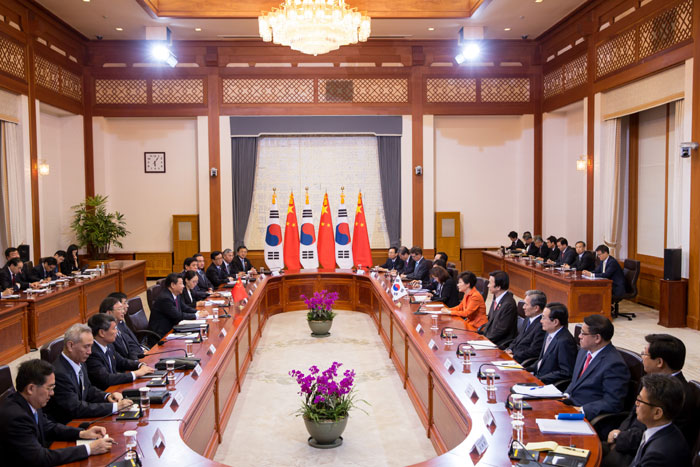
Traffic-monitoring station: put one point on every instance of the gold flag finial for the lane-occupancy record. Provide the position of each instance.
(274, 195)
(342, 195)
(307, 194)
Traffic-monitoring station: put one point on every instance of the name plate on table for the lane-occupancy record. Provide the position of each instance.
(432, 344)
(158, 439)
(212, 349)
(178, 398)
(198, 370)
(448, 364)
(250, 292)
(223, 333)
(470, 391)
(255, 285)
(419, 329)
(388, 289)
(488, 419)
(481, 445)
(360, 272)
(275, 273)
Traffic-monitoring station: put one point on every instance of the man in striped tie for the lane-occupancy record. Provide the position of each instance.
(600, 379)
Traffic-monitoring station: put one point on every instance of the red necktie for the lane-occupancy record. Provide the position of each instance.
(585, 365)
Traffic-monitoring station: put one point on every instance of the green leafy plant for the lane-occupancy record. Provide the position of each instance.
(97, 229)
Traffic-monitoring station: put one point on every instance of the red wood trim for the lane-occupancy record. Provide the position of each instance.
(417, 154)
(88, 146)
(213, 91)
(633, 186)
(590, 144)
(694, 250)
(537, 155)
(33, 157)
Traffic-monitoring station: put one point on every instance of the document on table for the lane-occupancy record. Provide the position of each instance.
(507, 364)
(422, 298)
(215, 302)
(185, 322)
(538, 391)
(11, 296)
(189, 335)
(224, 294)
(416, 291)
(483, 343)
(564, 427)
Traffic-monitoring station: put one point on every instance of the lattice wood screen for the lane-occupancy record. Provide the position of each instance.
(121, 91)
(670, 27)
(505, 90)
(12, 58)
(566, 77)
(363, 90)
(56, 78)
(178, 91)
(450, 90)
(268, 91)
(167, 91)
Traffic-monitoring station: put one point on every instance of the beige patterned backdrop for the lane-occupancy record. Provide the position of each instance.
(323, 163)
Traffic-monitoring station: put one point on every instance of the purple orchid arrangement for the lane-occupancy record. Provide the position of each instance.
(325, 398)
(320, 305)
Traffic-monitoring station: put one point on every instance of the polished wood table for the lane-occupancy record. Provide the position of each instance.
(132, 276)
(192, 420)
(14, 331)
(581, 296)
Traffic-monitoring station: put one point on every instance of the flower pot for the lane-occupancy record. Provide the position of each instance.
(325, 434)
(320, 328)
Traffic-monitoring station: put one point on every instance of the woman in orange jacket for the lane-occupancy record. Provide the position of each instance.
(472, 307)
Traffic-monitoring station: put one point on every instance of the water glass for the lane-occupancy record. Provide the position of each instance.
(516, 404)
(170, 368)
(130, 437)
(215, 314)
(188, 348)
(467, 355)
(203, 331)
(434, 320)
(449, 334)
(490, 379)
(145, 398)
(518, 426)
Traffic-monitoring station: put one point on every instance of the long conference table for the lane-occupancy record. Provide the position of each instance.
(580, 295)
(191, 422)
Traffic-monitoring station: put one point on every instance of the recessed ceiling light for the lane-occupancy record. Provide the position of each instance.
(538, 1)
(506, 29)
(119, 29)
(431, 29)
(198, 29)
(86, 1)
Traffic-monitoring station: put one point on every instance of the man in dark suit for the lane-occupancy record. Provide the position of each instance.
(515, 243)
(567, 255)
(556, 361)
(541, 249)
(216, 273)
(663, 355)
(241, 264)
(126, 344)
(168, 310)
(75, 396)
(11, 252)
(60, 257)
(12, 279)
(393, 262)
(600, 379)
(658, 403)
(204, 287)
(408, 263)
(528, 343)
(553, 250)
(530, 248)
(609, 268)
(45, 270)
(585, 261)
(227, 263)
(26, 433)
(421, 268)
(105, 366)
(502, 325)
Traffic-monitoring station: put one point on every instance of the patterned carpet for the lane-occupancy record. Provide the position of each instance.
(263, 430)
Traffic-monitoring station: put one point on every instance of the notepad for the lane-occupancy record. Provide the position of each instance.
(542, 392)
(564, 427)
(507, 364)
(482, 343)
(186, 322)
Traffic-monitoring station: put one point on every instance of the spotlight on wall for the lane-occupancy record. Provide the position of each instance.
(581, 163)
(161, 53)
(469, 42)
(44, 168)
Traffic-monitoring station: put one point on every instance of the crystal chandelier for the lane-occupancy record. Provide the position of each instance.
(314, 26)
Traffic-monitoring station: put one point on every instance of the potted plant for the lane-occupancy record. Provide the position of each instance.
(97, 229)
(326, 403)
(320, 315)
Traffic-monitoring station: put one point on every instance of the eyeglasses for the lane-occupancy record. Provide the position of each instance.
(646, 403)
(644, 354)
(583, 333)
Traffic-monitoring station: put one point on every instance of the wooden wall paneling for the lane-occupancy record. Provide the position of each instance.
(694, 250)
(214, 90)
(590, 140)
(537, 154)
(157, 264)
(417, 144)
(88, 144)
(33, 159)
(633, 186)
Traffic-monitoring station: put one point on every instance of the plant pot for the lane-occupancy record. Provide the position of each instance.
(320, 328)
(325, 434)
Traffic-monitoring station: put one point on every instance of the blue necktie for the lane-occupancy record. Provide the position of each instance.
(109, 360)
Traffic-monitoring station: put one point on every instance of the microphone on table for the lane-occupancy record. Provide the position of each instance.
(86, 425)
(482, 375)
(513, 453)
(442, 331)
(142, 355)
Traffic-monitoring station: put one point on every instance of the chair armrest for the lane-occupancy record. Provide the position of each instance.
(528, 362)
(148, 336)
(614, 419)
(562, 384)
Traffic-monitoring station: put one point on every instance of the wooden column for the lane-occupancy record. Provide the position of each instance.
(538, 143)
(214, 159)
(88, 144)
(33, 156)
(417, 143)
(590, 140)
(694, 253)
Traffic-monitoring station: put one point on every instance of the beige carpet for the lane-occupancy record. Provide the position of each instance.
(263, 430)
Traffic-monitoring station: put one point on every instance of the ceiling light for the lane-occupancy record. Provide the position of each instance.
(162, 53)
(119, 29)
(538, 1)
(198, 29)
(506, 29)
(431, 29)
(471, 51)
(86, 1)
(314, 27)
(44, 168)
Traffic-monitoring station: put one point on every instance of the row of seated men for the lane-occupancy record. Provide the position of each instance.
(103, 353)
(18, 275)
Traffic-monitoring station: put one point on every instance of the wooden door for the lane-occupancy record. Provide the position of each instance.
(185, 238)
(447, 234)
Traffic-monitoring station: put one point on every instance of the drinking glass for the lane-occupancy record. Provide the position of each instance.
(449, 334)
(145, 398)
(170, 368)
(188, 348)
(434, 320)
(215, 314)
(516, 404)
(518, 426)
(130, 437)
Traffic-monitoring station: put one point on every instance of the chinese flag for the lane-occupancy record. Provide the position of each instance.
(326, 243)
(291, 237)
(360, 238)
(238, 292)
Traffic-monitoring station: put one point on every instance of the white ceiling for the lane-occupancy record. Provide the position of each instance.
(102, 17)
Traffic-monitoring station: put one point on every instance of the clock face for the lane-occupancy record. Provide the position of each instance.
(154, 162)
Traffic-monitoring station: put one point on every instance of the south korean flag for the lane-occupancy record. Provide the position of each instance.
(397, 289)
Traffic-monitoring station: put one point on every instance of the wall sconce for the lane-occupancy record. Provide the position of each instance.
(581, 163)
(44, 168)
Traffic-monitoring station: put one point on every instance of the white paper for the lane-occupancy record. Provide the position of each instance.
(198, 369)
(564, 427)
(212, 349)
(215, 302)
(225, 294)
(432, 344)
(448, 364)
(481, 444)
(482, 343)
(415, 291)
(419, 328)
(435, 305)
(421, 299)
(192, 321)
(507, 364)
(538, 391)
(11, 296)
(469, 390)
(189, 335)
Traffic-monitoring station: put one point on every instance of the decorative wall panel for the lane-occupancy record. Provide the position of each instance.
(268, 91)
(12, 58)
(505, 90)
(178, 91)
(450, 90)
(363, 90)
(56, 78)
(553, 83)
(566, 77)
(121, 91)
(671, 27)
(616, 53)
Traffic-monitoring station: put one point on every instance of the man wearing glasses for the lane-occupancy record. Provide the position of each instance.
(600, 379)
(658, 403)
(663, 355)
